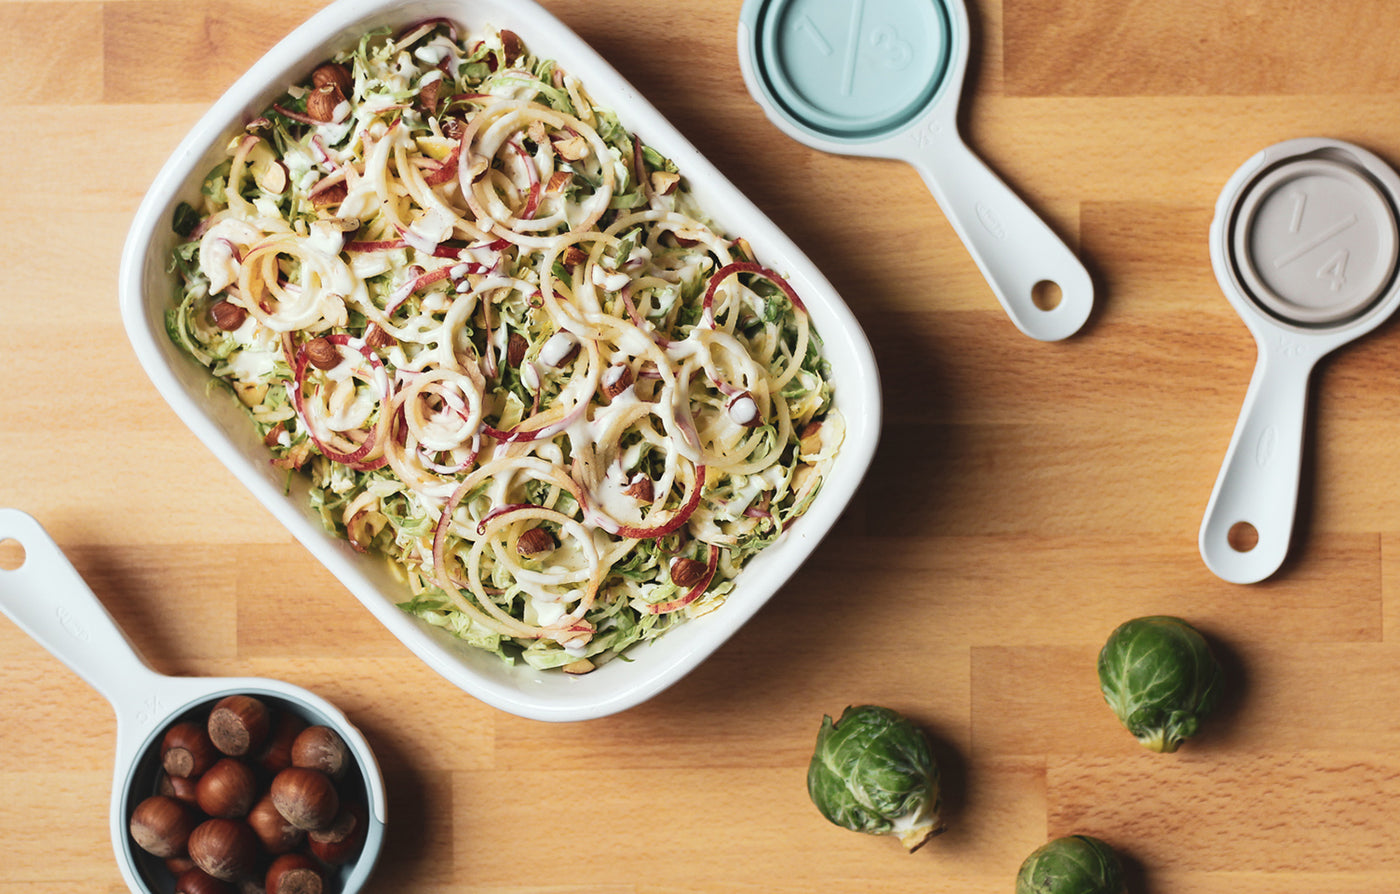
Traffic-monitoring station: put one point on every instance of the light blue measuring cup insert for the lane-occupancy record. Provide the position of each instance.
(850, 69)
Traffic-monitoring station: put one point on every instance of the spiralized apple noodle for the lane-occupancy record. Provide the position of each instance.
(493, 331)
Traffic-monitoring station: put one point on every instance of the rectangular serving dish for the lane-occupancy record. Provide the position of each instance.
(146, 288)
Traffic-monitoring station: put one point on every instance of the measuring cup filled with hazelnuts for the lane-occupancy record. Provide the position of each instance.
(221, 784)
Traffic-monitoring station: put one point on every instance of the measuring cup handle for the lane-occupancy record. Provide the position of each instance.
(48, 599)
(1014, 248)
(1258, 481)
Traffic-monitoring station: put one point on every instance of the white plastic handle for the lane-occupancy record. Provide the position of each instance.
(1258, 481)
(49, 600)
(1014, 248)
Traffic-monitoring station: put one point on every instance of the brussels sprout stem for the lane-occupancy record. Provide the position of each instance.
(917, 837)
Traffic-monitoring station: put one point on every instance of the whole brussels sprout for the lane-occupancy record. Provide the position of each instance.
(873, 772)
(1076, 864)
(1161, 678)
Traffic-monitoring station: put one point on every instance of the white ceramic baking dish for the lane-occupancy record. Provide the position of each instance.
(146, 289)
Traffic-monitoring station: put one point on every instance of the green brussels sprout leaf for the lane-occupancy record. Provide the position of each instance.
(1075, 864)
(873, 772)
(1160, 678)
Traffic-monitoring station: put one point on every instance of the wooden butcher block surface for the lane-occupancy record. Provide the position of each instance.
(1026, 498)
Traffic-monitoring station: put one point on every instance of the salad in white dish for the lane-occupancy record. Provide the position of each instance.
(508, 352)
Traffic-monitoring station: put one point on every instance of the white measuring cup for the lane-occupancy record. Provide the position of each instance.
(883, 78)
(1305, 245)
(47, 598)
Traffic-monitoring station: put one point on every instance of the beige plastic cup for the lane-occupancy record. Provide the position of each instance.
(1305, 245)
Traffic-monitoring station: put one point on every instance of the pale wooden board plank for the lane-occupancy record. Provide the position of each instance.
(1165, 49)
(288, 604)
(159, 51)
(56, 721)
(61, 69)
(1390, 581)
(1233, 812)
(54, 828)
(627, 841)
(1159, 148)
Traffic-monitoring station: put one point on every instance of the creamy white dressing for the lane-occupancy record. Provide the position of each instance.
(217, 248)
(557, 348)
(248, 365)
(634, 342)
(546, 611)
(743, 410)
(613, 282)
(326, 238)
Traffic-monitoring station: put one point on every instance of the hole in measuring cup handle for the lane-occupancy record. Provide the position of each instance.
(1242, 537)
(1046, 295)
(12, 554)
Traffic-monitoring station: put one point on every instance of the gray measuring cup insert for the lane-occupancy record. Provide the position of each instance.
(49, 601)
(882, 78)
(1305, 246)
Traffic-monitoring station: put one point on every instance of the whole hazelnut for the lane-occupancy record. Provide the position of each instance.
(322, 102)
(295, 874)
(185, 750)
(333, 73)
(516, 346)
(452, 127)
(276, 834)
(197, 881)
(321, 748)
(688, 572)
(322, 354)
(238, 724)
(306, 798)
(178, 865)
(162, 825)
(333, 194)
(177, 787)
(378, 338)
(227, 315)
(225, 848)
(512, 47)
(276, 754)
(534, 541)
(341, 843)
(227, 789)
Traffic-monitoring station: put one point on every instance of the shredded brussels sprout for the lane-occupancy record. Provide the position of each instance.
(491, 328)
